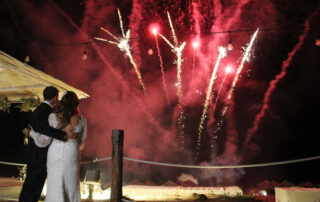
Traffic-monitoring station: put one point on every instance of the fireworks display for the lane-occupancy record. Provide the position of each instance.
(163, 77)
(235, 80)
(178, 52)
(194, 81)
(123, 45)
(222, 53)
(195, 46)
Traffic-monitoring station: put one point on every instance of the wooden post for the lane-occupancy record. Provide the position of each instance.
(117, 158)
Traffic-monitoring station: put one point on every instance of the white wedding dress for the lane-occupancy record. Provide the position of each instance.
(63, 183)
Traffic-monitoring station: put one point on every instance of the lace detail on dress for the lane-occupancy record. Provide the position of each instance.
(43, 140)
(39, 139)
(81, 129)
(63, 165)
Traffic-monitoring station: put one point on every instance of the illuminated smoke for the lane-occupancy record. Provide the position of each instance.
(117, 74)
(105, 72)
(135, 22)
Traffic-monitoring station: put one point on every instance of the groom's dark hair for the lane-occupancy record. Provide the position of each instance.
(50, 92)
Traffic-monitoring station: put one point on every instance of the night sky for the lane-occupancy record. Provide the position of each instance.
(271, 114)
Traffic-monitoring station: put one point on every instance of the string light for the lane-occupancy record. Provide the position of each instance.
(84, 55)
(27, 59)
(318, 42)
(130, 38)
(230, 46)
(150, 51)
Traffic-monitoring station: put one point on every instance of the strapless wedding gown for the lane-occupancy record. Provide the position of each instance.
(63, 183)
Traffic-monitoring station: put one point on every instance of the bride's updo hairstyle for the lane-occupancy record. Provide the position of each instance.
(66, 108)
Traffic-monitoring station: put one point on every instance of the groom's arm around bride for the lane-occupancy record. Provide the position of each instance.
(37, 156)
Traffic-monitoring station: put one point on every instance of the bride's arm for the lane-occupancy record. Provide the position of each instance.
(84, 132)
(79, 126)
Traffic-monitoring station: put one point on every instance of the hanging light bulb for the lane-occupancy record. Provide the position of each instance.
(230, 46)
(84, 56)
(318, 42)
(150, 51)
(27, 59)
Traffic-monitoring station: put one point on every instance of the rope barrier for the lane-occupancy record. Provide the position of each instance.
(96, 160)
(191, 166)
(211, 167)
(229, 166)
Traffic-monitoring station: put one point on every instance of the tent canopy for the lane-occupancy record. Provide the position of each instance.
(19, 80)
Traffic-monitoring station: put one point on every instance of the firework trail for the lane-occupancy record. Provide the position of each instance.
(136, 19)
(195, 45)
(273, 83)
(164, 84)
(119, 77)
(177, 50)
(235, 80)
(222, 53)
(174, 36)
(196, 16)
(123, 45)
(97, 49)
(227, 71)
(121, 23)
(245, 58)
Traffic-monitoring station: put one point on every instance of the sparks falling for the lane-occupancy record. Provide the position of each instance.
(227, 71)
(244, 58)
(222, 53)
(178, 51)
(123, 45)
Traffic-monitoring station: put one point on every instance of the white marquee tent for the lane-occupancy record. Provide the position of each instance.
(19, 80)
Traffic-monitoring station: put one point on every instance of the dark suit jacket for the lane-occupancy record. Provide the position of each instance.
(39, 122)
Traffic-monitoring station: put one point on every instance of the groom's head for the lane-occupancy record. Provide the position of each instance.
(51, 95)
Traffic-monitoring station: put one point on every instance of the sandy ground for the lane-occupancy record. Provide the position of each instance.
(10, 189)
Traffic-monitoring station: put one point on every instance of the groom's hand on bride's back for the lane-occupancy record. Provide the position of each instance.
(71, 134)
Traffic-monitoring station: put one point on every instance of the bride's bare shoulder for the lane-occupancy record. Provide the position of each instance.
(75, 120)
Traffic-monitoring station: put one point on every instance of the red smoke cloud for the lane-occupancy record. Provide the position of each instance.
(117, 101)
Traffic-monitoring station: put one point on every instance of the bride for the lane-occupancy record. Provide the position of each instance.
(63, 157)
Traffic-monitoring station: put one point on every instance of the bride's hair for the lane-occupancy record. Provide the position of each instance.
(66, 108)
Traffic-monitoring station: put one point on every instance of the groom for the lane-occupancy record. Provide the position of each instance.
(36, 156)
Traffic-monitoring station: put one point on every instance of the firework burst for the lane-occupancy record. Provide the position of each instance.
(123, 45)
(178, 51)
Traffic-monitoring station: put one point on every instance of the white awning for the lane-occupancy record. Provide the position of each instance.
(19, 80)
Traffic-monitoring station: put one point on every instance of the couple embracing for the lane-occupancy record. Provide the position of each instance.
(57, 134)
